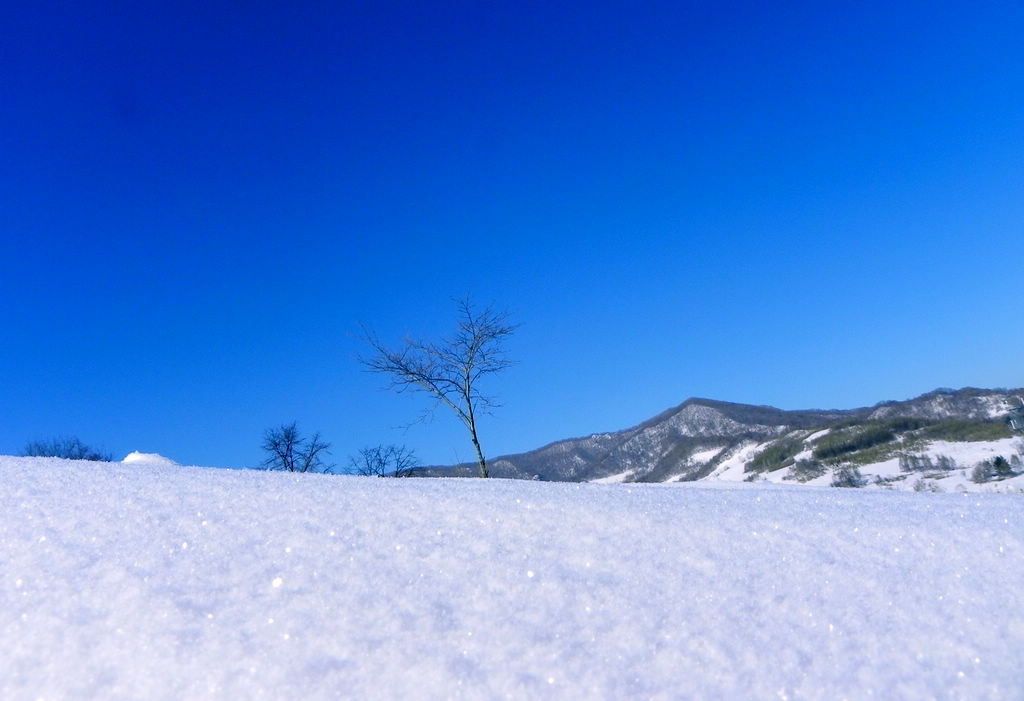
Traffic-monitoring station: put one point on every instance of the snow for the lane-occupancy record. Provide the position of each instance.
(137, 458)
(732, 468)
(617, 478)
(970, 454)
(705, 456)
(127, 581)
(818, 434)
(701, 457)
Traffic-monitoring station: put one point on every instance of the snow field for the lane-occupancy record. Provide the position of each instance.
(159, 582)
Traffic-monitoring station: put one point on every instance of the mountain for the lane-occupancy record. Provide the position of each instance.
(703, 438)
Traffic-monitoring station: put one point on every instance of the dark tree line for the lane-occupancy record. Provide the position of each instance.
(65, 447)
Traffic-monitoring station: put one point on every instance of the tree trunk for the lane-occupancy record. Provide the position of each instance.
(479, 453)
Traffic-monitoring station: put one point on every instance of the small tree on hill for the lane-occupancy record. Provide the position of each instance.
(452, 369)
(287, 450)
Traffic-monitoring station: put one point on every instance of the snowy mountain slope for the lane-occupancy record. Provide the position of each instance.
(697, 439)
(941, 466)
(658, 448)
(126, 581)
(966, 404)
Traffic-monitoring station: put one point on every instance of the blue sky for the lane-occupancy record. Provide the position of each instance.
(809, 205)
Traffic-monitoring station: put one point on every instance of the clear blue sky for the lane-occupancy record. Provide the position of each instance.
(803, 205)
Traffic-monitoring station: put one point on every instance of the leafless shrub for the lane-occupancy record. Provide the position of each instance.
(384, 461)
(64, 447)
(287, 450)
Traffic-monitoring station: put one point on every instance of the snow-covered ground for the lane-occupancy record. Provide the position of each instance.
(153, 581)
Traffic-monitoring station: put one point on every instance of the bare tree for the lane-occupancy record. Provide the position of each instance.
(451, 370)
(384, 461)
(287, 450)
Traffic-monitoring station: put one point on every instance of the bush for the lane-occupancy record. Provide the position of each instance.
(997, 468)
(915, 463)
(61, 447)
(805, 470)
(923, 485)
(1002, 467)
(886, 482)
(848, 476)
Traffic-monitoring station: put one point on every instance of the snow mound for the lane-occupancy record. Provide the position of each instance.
(155, 582)
(137, 458)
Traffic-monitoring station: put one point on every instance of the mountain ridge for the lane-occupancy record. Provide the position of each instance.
(689, 441)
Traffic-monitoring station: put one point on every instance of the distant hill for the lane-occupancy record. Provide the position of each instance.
(704, 438)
